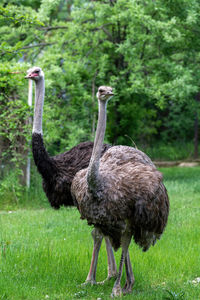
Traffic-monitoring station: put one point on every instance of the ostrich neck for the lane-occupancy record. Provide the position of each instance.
(38, 110)
(93, 170)
(44, 163)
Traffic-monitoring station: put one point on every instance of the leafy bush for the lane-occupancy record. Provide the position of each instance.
(11, 190)
(170, 151)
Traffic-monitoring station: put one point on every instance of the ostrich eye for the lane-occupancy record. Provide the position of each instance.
(101, 91)
(36, 71)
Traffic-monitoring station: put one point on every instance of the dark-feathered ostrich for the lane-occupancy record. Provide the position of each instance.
(58, 171)
(122, 195)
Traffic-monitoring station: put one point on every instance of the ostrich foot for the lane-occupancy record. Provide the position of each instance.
(90, 281)
(112, 274)
(116, 291)
(127, 289)
(109, 277)
(106, 280)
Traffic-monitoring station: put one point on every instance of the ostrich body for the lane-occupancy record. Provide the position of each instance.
(58, 171)
(122, 195)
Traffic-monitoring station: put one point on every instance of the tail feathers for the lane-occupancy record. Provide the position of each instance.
(146, 224)
(145, 239)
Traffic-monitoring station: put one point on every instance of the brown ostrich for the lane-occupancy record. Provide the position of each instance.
(122, 195)
(58, 171)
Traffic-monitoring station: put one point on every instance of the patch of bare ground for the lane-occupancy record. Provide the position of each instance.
(178, 163)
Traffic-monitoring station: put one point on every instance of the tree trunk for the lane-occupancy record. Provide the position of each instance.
(196, 128)
(196, 135)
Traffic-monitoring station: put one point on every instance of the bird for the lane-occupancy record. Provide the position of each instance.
(122, 195)
(58, 171)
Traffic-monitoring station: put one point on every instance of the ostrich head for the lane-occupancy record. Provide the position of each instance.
(34, 73)
(105, 93)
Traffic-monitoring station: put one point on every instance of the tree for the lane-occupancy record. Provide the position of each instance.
(14, 111)
(147, 50)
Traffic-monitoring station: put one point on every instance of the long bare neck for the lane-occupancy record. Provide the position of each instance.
(43, 161)
(39, 101)
(93, 168)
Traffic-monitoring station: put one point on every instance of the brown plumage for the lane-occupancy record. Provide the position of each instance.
(122, 195)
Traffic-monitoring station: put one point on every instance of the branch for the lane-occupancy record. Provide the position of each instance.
(27, 47)
(17, 72)
(144, 45)
(107, 32)
(37, 45)
(53, 28)
(104, 30)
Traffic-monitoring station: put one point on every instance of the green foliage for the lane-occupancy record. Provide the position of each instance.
(13, 193)
(169, 151)
(15, 21)
(11, 190)
(129, 46)
(14, 131)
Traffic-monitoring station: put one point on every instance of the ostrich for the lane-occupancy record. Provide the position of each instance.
(58, 171)
(122, 195)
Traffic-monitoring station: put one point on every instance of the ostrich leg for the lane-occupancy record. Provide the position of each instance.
(117, 290)
(112, 267)
(97, 237)
(129, 276)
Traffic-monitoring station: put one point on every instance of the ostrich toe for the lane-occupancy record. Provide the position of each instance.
(108, 279)
(127, 289)
(116, 291)
(89, 282)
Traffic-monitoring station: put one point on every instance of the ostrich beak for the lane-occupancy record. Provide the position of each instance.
(31, 75)
(110, 93)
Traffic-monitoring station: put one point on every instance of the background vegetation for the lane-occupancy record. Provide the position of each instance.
(147, 50)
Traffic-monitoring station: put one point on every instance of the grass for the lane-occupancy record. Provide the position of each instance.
(45, 254)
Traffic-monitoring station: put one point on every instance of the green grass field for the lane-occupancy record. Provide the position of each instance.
(45, 254)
